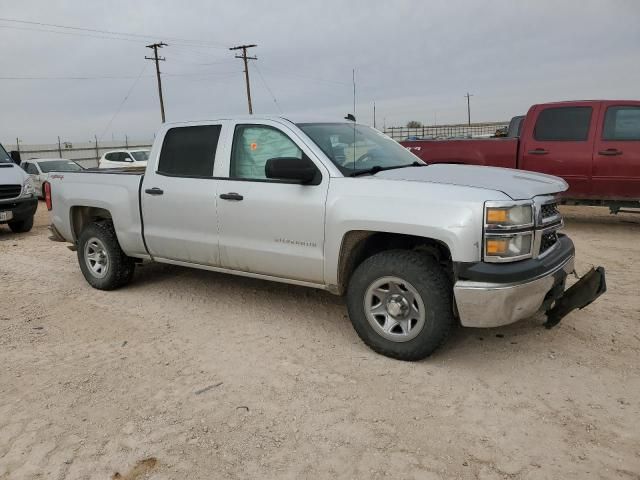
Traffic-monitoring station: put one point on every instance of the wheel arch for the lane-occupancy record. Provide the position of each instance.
(358, 245)
(81, 216)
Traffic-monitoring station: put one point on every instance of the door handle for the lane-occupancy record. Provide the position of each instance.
(610, 152)
(154, 191)
(231, 196)
(538, 151)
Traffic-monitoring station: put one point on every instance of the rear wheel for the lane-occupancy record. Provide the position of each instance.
(400, 304)
(103, 263)
(21, 226)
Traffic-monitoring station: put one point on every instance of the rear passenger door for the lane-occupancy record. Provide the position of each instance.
(561, 143)
(179, 197)
(616, 154)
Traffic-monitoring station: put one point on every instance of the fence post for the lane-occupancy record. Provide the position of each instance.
(126, 142)
(59, 147)
(18, 144)
(97, 153)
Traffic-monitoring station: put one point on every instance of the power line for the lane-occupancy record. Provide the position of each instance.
(110, 32)
(155, 47)
(70, 33)
(123, 101)
(117, 77)
(97, 77)
(264, 81)
(245, 58)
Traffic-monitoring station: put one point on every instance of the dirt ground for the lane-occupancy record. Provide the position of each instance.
(188, 374)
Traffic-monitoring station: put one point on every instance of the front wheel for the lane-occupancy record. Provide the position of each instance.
(400, 304)
(103, 263)
(22, 226)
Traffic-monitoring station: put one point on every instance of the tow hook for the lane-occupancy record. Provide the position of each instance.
(579, 295)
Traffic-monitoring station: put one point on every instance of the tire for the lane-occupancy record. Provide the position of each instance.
(103, 263)
(408, 288)
(22, 226)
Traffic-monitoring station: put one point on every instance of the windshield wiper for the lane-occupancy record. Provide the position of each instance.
(377, 168)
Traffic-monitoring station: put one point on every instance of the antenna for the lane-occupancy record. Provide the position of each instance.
(374, 114)
(353, 76)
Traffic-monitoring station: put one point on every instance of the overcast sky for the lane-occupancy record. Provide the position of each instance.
(415, 59)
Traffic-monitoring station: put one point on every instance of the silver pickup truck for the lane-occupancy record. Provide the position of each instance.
(339, 206)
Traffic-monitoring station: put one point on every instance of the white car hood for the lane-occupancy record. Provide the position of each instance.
(517, 184)
(11, 175)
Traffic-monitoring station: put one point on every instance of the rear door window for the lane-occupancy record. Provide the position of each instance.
(31, 169)
(622, 123)
(563, 124)
(189, 151)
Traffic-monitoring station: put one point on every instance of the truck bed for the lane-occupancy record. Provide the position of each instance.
(496, 152)
(114, 190)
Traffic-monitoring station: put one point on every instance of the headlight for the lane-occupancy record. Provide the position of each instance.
(28, 188)
(507, 247)
(508, 231)
(508, 216)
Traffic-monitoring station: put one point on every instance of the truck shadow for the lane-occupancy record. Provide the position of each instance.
(309, 310)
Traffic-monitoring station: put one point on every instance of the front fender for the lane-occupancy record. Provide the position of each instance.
(448, 214)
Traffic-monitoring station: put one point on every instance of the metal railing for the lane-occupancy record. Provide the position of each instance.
(432, 132)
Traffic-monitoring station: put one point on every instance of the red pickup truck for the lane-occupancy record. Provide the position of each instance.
(594, 145)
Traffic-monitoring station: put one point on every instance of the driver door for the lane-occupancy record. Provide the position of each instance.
(270, 227)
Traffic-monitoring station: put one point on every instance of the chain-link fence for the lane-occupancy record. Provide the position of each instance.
(431, 132)
(85, 153)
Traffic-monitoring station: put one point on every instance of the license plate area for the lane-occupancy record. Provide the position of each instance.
(6, 215)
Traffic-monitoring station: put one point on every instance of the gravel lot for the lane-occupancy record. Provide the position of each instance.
(188, 374)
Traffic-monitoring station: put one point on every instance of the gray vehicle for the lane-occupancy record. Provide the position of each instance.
(18, 201)
(415, 248)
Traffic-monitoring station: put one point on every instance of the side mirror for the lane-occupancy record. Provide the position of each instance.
(15, 156)
(301, 170)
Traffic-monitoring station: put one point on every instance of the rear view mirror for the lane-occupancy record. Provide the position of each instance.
(301, 170)
(15, 156)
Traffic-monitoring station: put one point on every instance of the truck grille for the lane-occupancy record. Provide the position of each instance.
(549, 210)
(548, 240)
(9, 191)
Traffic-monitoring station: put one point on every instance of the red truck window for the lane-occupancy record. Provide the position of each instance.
(568, 124)
(622, 123)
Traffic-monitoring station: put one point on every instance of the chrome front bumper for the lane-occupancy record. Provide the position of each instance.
(495, 304)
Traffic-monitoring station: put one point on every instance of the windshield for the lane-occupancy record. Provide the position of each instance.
(141, 155)
(4, 156)
(354, 148)
(59, 166)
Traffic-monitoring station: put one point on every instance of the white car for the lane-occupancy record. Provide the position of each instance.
(39, 169)
(124, 158)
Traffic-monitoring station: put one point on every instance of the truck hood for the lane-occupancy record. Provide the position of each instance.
(11, 174)
(517, 184)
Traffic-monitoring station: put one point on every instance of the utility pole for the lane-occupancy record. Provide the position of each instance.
(245, 58)
(468, 95)
(156, 58)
